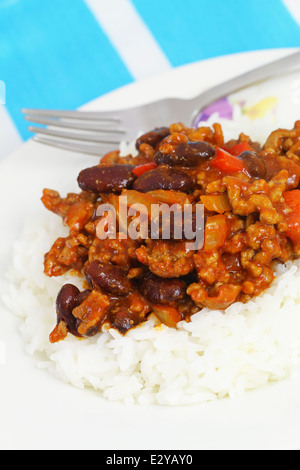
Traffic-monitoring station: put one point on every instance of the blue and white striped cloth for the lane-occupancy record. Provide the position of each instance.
(64, 53)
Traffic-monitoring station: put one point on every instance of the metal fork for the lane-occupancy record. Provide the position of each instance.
(96, 132)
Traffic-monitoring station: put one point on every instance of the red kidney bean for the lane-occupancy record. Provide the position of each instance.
(109, 278)
(68, 298)
(186, 154)
(120, 316)
(254, 164)
(153, 137)
(106, 179)
(162, 291)
(82, 296)
(163, 178)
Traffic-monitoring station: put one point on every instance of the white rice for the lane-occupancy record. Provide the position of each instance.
(217, 355)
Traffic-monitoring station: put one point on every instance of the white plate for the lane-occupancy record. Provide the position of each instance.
(39, 412)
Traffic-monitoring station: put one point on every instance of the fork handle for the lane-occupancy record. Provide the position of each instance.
(287, 63)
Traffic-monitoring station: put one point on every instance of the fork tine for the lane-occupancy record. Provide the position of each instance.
(97, 150)
(88, 137)
(77, 115)
(91, 126)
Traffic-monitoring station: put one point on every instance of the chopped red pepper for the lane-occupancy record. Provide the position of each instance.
(226, 162)
(237, 149)
(141, 169)
(292, 199)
